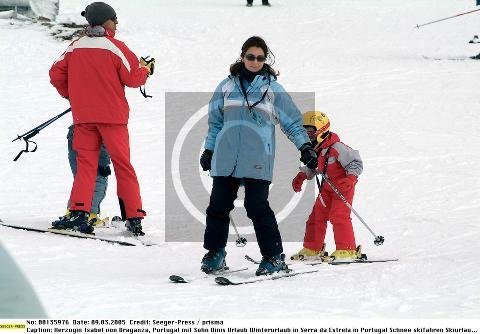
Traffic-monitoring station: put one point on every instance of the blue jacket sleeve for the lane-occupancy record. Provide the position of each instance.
(289, 115)
(215, 117)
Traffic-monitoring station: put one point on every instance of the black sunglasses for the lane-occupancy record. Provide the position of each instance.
(251, 57)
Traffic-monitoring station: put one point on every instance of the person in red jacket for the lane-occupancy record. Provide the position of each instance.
(342, 165)
(92, 74)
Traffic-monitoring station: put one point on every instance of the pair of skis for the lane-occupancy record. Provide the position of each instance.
(224, 277)
(187, 279)
(332, 262)
(137, 240)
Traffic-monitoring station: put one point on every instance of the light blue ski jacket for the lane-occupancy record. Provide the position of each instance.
(243, 140)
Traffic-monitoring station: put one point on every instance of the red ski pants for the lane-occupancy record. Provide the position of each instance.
(87, 140)
(337, 213)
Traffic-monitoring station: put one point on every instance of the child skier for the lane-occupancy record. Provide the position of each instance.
(342, 165)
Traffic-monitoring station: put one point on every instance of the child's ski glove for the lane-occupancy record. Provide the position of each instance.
(297, 181)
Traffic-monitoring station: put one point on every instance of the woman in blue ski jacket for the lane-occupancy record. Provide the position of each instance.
(240, 150)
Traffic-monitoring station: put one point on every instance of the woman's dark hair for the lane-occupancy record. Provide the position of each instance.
(258, 42)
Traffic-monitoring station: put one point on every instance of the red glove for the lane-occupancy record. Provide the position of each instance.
(298, 181)
(347, 183)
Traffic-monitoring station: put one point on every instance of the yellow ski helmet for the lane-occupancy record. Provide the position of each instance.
(320, 121)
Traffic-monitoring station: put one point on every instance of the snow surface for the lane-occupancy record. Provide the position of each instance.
(413, 117)
(39, 8)
(45, 8)
(25, 3)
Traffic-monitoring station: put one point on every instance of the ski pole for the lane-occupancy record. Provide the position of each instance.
(33, 132)
(378, 239)
(446, 18)
(241, 241)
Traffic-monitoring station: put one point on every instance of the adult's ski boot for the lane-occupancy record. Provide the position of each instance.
(272, 264)
(214, 261)
(61, 219)
(74, 220)
(134, 225)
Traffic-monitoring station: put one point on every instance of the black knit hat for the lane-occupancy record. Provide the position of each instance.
(97, 13)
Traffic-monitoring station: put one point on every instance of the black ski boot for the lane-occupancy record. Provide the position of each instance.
(134, 225)
(214, 261)
(272, 264)
(75, 220)
(60, 220)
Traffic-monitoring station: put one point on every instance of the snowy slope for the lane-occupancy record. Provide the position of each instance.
(413, 118)
(45, 8)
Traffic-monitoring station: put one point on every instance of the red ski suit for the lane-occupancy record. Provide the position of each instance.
(344, 165)
(92, 73)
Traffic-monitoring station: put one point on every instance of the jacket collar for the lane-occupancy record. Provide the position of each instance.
(98, 31)
(259, 81)
(330, 140)
(109, 33)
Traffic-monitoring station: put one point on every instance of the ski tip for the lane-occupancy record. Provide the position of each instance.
(248, 258)
(177, 279)
(223, 281)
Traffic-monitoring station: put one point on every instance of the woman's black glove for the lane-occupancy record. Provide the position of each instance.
(206, 160)
(309, 156)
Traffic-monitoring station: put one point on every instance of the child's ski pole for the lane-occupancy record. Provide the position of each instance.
(378, 239)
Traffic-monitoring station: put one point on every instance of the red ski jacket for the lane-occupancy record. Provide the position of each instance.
(92, 73)
(342, 159)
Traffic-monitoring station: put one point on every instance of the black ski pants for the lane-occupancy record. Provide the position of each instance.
(224, 193)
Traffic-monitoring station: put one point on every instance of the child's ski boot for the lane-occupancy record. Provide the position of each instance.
(347, 255)
(307, 254)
